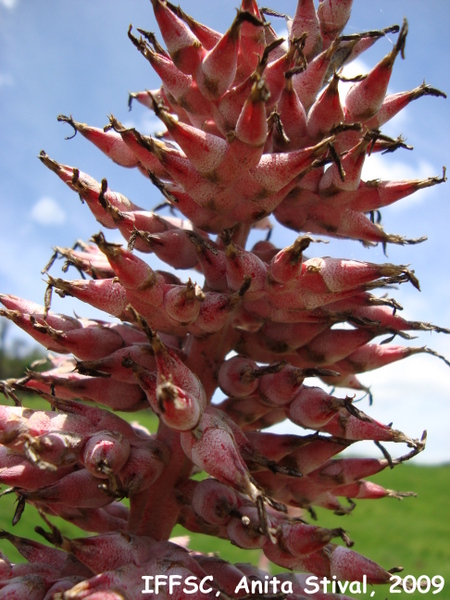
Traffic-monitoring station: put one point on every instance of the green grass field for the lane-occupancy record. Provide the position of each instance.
(413, 533)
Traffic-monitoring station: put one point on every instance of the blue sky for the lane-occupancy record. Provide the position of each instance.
(75, 58)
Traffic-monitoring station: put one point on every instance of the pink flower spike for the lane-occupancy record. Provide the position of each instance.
(309, 82)
(373, 195)
(207, 36)
(105, 294)
(177, 409)
(77, 489)
(293, 118)
(394, 103)
(132, 272)
(213, 501)
(312, 407)
(217, 70)
(305, 20)
(274, 171)
(241, 264)
(365, 98)
(206, 151)
(182, 303)
(213, 448)
(143, 468)
(315, 453)
(301, 539)
(17, 471)
(109, 142)
(346, 175)
(250, 133)
(374, 356)
(286, 265)
(32, 587)
(252, 42)
(184, 47)
(326, 113)
(105, 453)
(348, 565)
(333, 17)
(179, 87)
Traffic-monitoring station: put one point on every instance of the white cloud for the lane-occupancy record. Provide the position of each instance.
(386, 167)
(146, 123)
(8, 3)
(353, 69)
(150, 124)
(356, 67)
(47, 212)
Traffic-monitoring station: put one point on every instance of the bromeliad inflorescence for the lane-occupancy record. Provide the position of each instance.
(256, 131)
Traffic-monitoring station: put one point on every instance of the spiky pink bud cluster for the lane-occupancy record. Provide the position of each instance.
(254, 126)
